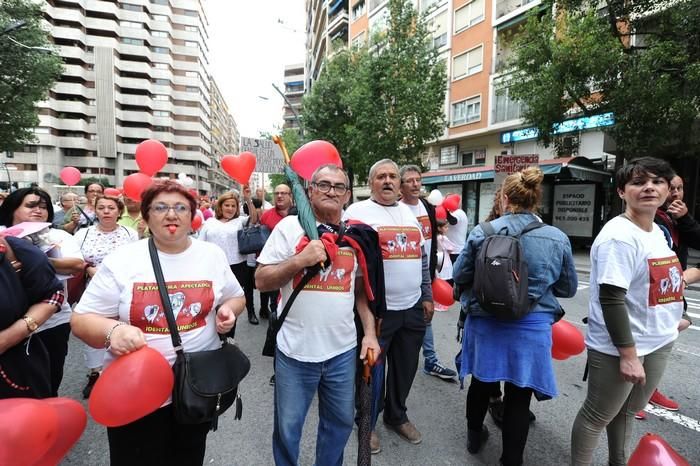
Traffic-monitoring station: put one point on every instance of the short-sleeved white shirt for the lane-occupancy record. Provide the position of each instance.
(457, 233)
(423, 218)
(401, 240)
(65, 246)
(321, 322)
(642, 263)
(198, 280)
(225, 235)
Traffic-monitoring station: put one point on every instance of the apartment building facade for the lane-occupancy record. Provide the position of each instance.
(225, 139)
(134, 70)
(475, 38)
(293, 92)
(327, 28)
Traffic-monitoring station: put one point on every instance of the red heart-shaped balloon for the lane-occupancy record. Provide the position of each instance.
(452, 202)
(440, 213)
(652, 450)
(312, 155)
(114, 192)
(239, 167)
(28, 429)
(135, 184)
(151, 156)
(442, 292)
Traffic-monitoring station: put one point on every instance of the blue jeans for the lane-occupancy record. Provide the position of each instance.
(296, 383)
(429, 346)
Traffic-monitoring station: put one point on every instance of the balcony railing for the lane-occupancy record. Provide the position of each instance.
(503, 7)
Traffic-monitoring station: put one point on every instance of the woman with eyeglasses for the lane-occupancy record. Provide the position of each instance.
(83, 215)
(34, 205)
(96, 242)
(121, 310)
(222, 230)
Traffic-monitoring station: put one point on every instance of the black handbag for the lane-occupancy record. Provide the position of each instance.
(252, 238)
(206, 382)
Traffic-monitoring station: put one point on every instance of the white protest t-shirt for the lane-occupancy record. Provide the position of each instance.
(198, 280)
(457, 233)
(400, 238)
(321, 322)
(421, 214)
(225, 235)
(65, 246)
(641, 262)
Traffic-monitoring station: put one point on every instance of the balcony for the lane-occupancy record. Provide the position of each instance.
(505, 7)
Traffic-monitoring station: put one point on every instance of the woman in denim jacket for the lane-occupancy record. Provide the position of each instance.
(517, 352)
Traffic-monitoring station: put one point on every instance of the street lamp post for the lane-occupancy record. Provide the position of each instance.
(291, 107)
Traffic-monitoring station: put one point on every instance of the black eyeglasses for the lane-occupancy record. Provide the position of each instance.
(325, 187)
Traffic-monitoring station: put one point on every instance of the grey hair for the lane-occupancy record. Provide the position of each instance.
(379, 163)
(409, 168)
(333, 168)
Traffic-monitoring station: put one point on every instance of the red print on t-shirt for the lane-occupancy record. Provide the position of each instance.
(399, 242)
(334, 278)
(424, 221)
(191, 302)
(665, 281)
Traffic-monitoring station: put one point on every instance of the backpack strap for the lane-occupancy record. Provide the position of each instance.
(535, 224)
(487, 229)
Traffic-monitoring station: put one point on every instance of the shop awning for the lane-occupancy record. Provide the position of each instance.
(548, 167)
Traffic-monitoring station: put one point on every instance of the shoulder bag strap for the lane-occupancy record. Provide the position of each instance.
(82, 212)
(163, 290)
(487, 229)
(535, 224)
(83, 241)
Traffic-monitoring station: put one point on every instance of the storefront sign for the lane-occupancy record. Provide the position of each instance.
(471, 176)
(574, 209)
(507, 164)
(567, 126)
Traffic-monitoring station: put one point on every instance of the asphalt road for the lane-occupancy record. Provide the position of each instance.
(435, 406)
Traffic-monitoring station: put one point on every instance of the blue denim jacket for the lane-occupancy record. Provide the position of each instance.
(550, 263)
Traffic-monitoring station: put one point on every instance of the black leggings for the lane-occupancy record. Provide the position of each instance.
(56, 342)
(516, 416)
(245, 279)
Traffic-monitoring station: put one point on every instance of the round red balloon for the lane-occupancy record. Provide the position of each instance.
(567, 339)
(131, 387)
(70, 175)
(440, 213)
(28, 429)
(442, 292)
(196, 223)
(151, 156)
(71, 424)
(114, 192)
(452, 202)
(239, 167)
(653, 450)
(312, 155)
(135, 184)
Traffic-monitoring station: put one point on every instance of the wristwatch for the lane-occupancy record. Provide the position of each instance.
(31, 324)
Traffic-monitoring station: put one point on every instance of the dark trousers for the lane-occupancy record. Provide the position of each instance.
(55, 341)
(516, 417)
(157, 439)
(245, 279)
(268, 300)
(401, 337)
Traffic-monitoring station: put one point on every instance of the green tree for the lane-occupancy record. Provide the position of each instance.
(26, 75)
(635, 59)
(382, 100)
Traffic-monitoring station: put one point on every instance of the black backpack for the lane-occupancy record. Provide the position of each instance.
(500, 274)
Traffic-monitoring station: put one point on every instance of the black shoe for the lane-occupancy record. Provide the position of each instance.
(272, 380)
(252, 318)
(476, 438)
(264, 313)
(92, 379)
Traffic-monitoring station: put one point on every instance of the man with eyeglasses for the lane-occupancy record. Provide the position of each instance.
(409, 297)
(67, 201)
(317, 343)
(411, 183)
(79, 217)
(270, 218)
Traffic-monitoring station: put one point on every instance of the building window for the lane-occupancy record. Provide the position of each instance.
(160, 50)
(131, 7)
(191, 89)
(161, 82)
(92, 102)
(358, 9)
(161, 66)
(130, 41)
(159, 18)
(440, 41)
(159, 33)
(159, 2)
(161, 97)
(474, 157)
(191, 13)
(468, 63)
(191, 74)
(161, 113)
(505, 109)
(469, 15)
(191, 28)
(131, 24)
(189, 43)
(448, 155)
(466, 111)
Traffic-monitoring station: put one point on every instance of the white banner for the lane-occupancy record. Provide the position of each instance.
(574, 206)
(268, 155)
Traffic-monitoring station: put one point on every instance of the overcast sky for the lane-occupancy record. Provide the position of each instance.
(250, 42)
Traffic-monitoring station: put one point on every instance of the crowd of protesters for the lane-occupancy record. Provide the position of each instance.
(365, 293)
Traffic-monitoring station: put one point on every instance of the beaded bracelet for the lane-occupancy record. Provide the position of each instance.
(108, 338)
